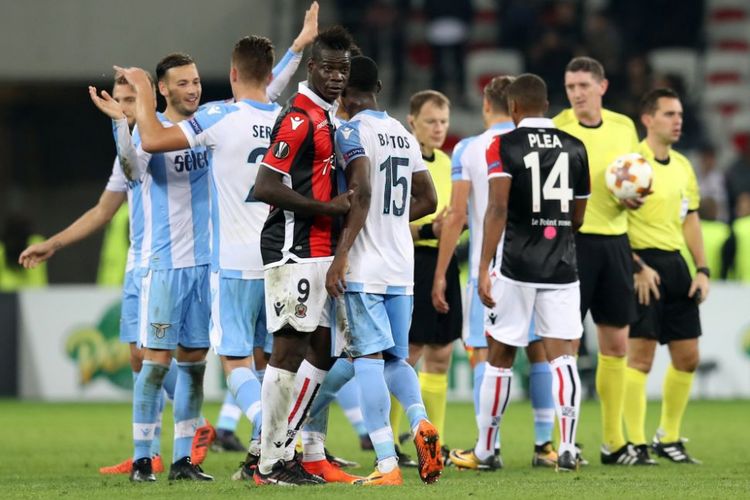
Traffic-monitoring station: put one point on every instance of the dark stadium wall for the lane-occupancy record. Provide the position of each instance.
(9, 341)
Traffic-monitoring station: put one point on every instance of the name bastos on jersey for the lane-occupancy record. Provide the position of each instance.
(381, 260)
(238, 135)
(548, 170)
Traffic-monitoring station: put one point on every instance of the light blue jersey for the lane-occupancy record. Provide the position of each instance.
(237, 135)
(380, 279)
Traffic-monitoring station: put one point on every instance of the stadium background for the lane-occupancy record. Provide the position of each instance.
(56, 148)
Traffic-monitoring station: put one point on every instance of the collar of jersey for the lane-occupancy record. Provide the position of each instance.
(536, 122)
(304, 89)
(265, 106)
(502, 126)
(377, 114)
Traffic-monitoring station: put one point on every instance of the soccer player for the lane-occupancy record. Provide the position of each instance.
(431, 334)
(668, 297)
(469, 192)
(297, 178)
(539, 183)
(603, 252)
(119, 190)
(174, 258)
(373, 268)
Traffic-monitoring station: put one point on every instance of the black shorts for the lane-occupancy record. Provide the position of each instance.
(675, 315)
(605, 269)
(427, 325)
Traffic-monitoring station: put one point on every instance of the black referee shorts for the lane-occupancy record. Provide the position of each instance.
(427, 325)
(605, 269)
(675, 315)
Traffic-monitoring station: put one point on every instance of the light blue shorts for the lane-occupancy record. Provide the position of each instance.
(474, 335)
(378, 323)
(174, 308)
(129, 312)
(238, 316)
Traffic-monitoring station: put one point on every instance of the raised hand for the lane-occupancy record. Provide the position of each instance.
(309, 29)
(106, 104)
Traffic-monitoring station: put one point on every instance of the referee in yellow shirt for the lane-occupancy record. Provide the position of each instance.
(604, 258)
(432, 334)
(668, 297)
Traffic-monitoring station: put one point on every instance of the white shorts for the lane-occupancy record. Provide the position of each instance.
(296, 296)
(556, 310)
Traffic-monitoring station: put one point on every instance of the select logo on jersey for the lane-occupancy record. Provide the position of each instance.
(278, 307)
(296, 121)
(191, 160)
(281, 150)
(160, 329)
(300, 311)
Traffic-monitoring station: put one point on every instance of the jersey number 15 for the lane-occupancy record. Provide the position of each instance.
(392, 181)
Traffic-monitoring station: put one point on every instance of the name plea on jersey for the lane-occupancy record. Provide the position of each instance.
(544, 141)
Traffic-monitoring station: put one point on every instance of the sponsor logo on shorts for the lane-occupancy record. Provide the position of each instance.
(160, 329)
(278, 307)
(300, 310)
(281, 150)
(277, 444)
(492, 316)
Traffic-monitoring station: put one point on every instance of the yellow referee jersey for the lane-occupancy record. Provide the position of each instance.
(658, 223)
(614, 137)
(440, 170)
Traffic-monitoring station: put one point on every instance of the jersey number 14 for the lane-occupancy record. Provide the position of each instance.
(556, 185)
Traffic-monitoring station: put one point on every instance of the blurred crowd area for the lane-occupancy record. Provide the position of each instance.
(700, 48)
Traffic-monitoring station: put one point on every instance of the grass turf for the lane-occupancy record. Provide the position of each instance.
(55, 450)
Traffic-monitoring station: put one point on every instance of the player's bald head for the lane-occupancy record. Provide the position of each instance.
(529, 93)
(252, 56)
(363, 75)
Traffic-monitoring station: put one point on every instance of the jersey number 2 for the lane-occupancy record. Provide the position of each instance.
(551, 190)
(392, 180)
(254, 157)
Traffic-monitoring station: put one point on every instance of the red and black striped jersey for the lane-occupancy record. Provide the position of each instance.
(548, 169)
(302, 150)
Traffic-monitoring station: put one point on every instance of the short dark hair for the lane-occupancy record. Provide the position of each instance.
(333, 38)
(587, 65)
(650, 101)
(496, 93)
(528, 91)
(363, 75)
(174, 60)
(253, 58)
(422, 97)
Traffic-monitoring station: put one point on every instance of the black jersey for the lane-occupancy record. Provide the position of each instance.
(548, 170)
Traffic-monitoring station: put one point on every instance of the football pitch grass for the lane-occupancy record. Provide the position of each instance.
(54, 451)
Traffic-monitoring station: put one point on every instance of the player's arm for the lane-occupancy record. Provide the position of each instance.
(90, 222)
(494, 224)
(287, 66)
(453, 225)
(155, 138)
(423, 195)
(691, 230)
(270, 189)
(358, 180)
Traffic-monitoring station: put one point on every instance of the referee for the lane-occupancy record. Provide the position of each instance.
(432, 334)
(603, 253)
(668, 297)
